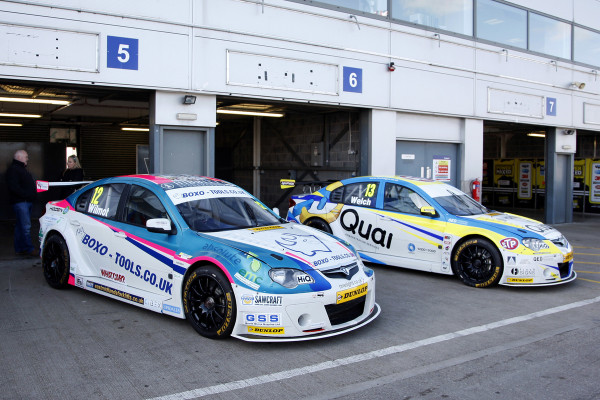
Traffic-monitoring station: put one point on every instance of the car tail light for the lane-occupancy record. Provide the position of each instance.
(292, 203)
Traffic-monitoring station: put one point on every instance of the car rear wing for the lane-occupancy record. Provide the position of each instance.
(43, 186)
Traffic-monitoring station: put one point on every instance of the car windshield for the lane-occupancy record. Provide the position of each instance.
(223, 213)
(454, 201)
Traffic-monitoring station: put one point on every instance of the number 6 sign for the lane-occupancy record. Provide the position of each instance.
(352, 80)
(121, 52)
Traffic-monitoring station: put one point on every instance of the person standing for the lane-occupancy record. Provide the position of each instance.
(22, 192)
(73, 173)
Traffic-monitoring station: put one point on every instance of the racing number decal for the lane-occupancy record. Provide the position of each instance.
(370, 190)
(97, 193)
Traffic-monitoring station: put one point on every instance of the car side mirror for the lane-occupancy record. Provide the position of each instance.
(429, 211)
(159, 225)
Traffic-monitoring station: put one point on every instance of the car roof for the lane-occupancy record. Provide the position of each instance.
(168, 182)
(397, 179)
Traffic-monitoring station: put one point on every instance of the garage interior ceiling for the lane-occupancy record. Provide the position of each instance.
(98, 105)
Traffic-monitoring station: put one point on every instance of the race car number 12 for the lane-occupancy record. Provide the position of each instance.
(97, 193)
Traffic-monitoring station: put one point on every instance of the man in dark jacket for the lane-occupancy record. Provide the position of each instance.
(22, 192)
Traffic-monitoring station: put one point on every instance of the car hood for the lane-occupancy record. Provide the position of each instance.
(307, 246)
(518, 225)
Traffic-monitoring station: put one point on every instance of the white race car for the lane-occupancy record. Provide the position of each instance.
(206, 250)
(432, 226)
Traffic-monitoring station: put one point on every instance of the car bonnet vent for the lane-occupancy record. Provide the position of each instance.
(342, 272)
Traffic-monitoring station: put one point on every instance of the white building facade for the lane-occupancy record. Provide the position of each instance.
(425, 77)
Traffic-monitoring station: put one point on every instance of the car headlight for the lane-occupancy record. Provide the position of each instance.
(289, 277)
(535, 244)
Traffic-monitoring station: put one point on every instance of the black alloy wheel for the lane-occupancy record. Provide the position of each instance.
(319, 224)
(209, 303)
(56, 262)
(477, 263)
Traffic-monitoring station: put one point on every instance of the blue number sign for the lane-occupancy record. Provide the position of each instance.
(352, 80)
(550, 106)
(121, 52)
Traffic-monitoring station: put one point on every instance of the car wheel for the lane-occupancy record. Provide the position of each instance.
(319, 224)
(56, 262)
(209, 303)
(477, 263)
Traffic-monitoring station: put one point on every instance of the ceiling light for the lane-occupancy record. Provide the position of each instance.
(131, 129)
(537, 134)
(3, 124)
(35, 101)
(20, 115)
(251, 113)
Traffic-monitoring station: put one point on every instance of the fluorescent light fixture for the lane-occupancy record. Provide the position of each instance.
(20, 115)
(251, 113)
(35, 101)
(537, 134)
(131, 129)
(3, 124)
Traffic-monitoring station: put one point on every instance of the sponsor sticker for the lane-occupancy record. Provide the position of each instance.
(263, 330)
(171, 309)
(265, 228)
(115, 292)
(262, 319)
(351, 294)
(519, 280)
(509, 243)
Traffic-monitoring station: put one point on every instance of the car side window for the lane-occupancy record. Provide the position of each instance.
(361, 194)
(143, 205)
(101, 201)
(402, 199)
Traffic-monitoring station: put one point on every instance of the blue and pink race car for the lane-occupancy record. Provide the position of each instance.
(206, 250)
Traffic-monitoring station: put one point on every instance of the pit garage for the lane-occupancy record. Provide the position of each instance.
(256, 143)
(514, 169)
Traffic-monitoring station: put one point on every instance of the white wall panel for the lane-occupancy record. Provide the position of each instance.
(428, 128)
(28, 46)
(422, 90)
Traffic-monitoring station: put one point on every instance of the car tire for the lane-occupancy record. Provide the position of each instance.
(56, 262)
(319, 224)
(477, 263)
(209, 302)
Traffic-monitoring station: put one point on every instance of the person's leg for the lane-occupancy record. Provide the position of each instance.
(22, 239)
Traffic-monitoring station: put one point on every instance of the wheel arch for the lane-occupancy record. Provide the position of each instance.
(469, 237)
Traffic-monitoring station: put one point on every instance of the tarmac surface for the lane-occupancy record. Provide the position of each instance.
(435, 339)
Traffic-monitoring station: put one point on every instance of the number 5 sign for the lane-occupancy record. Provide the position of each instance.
(121, 52)
(352, 80)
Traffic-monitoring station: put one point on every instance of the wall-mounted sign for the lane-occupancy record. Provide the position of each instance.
(352, 80)
(121, 52)
(550, 106)
(441, 168)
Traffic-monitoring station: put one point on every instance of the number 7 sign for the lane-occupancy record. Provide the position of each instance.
(121, 52)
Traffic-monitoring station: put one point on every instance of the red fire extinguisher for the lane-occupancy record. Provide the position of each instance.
(476, 190)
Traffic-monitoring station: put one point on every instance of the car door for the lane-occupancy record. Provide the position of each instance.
(97, 210)
(144, 258)
(415, 240)
(358, 220)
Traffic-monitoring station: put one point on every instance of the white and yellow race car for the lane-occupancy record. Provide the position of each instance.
(432, 226)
